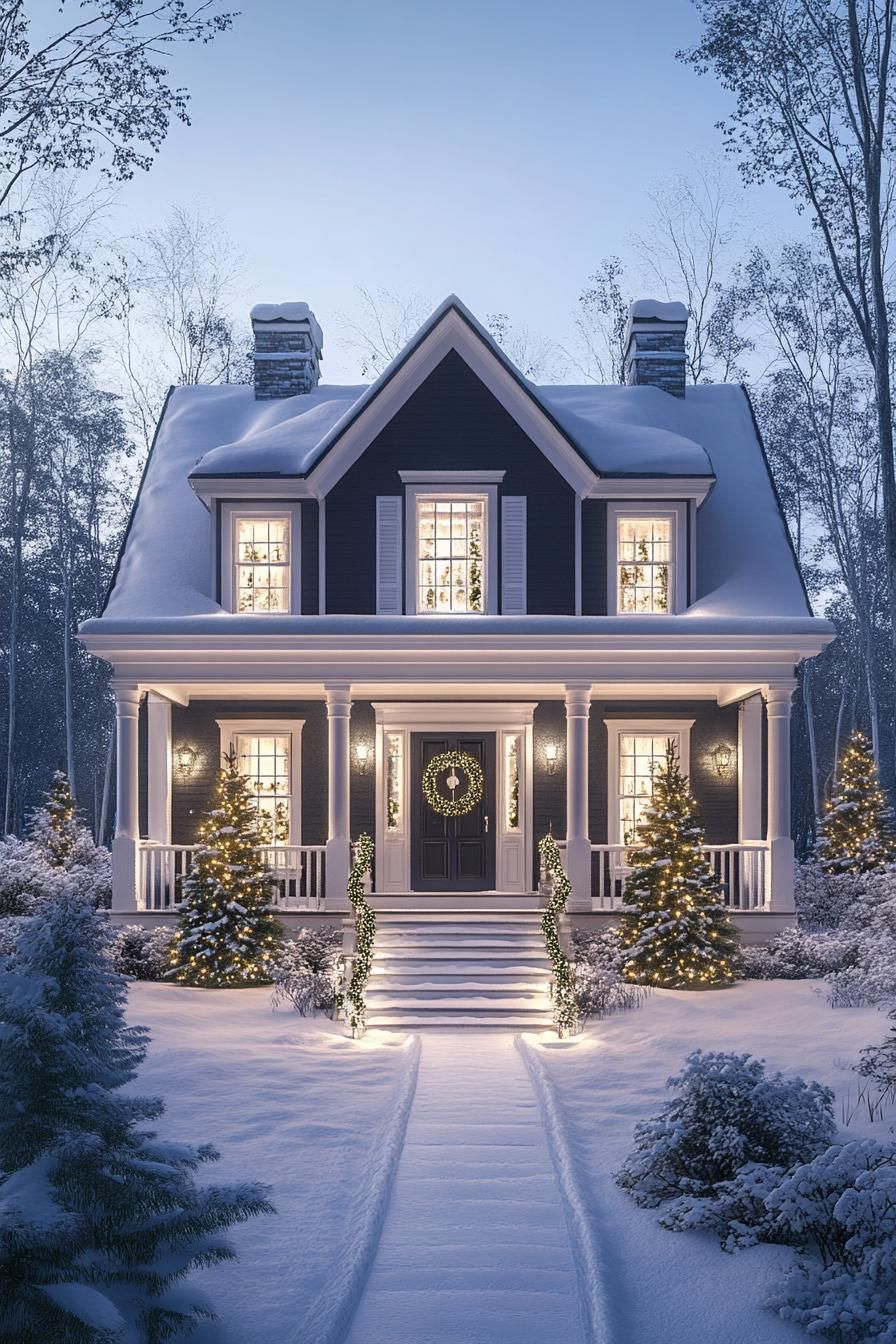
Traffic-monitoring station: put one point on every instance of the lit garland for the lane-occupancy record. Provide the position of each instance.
(365, 931)
(856, 832)
(675, 929)
(453, 760)
(566, 1017)
(56, 823)
(227, 934)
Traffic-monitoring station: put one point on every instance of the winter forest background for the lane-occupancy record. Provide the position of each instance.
(96, 323)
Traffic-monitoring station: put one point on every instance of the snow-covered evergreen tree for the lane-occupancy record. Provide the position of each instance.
(856, 832)
(54, 826)
(675, 930)
(99, 1220)
(226, 935)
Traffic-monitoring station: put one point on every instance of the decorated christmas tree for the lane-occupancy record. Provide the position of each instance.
(226, 935)
(675, 930)
(55, 825)
(856, 832)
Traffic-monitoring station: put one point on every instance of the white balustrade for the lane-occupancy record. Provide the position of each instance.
(743, 871)
(298, 871)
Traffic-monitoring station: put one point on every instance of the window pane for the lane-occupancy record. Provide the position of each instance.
(262, 564)
(639, 758)
(394, 778)
(450, 555)
(643, 565)
(512, 783)
(264, 760)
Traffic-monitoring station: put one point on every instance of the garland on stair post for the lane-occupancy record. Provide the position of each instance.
(566, 1017)
(365, 929)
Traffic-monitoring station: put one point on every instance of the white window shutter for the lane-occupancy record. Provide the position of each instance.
(513, 555)
(388, 555)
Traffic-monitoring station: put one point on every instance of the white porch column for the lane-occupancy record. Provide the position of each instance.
(749, 769)
(777, 707)
(127, 812)
(578, 843)
(158, 768)
(339, 709)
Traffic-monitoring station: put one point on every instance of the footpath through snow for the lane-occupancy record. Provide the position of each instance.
(475, 1247)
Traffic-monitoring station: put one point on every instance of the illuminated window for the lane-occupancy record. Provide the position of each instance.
(644, 565)
(262, 573)
(265, 762)
(394, 780)
(637, 747)
(450, 555)
(512, 783)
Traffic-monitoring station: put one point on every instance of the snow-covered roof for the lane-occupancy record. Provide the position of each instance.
(745, 564)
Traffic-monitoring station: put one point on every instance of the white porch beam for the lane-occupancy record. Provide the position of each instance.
(777, 706)
(339, 710)
(749, 769)
(127, 810)
(158, 763)
(578, 843)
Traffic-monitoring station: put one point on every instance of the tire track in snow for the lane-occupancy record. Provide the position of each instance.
(329, 1319)
(594, 1290)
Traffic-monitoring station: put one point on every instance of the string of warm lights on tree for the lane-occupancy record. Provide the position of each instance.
(565, 1014)
(856, 833)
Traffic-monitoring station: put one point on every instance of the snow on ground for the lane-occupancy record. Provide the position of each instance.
(482, 1242)
(679, 1288)
(292, 1102)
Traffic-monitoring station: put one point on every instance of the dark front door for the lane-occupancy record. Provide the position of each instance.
(452, 853)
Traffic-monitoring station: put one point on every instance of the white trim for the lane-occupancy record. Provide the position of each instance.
(513, 849)
(578, 553)
(233, 510)
(209, 489)
(694, 488)
(677, 513)
(680, 728)
(489, 496)
(453, 479)
(231, 728)
(749, 769)
(158, 768)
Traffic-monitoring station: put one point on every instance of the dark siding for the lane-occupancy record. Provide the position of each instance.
(143, 768)
(451, 423)
(594, 557)
(548, 791)
(310, 560)
(195, 725)
(717, 797)
(362, 803)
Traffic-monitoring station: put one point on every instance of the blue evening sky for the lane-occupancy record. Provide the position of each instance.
(492, 148)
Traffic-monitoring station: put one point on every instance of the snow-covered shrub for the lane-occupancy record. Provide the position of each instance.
(796, 955)
(9, 933)
(877, 1063)
(27, 878)
(716, 1149)
(841, 1206)
(141, 953)
(599, 982)
(823, 900)
(99, 1221)
(304, 972)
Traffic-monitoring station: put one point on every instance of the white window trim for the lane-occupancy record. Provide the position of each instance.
(680, 728)
(449, 490)
(678, 515)
(229, 514)
(230, 729)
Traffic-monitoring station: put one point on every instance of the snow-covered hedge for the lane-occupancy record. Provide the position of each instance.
(599, 982)
(27, 877)
(304, 972)
(823, 900)
(141, 953)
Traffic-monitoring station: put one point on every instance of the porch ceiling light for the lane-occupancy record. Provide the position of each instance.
(550, 755)
(721, 758)
(362, 755)
(186, 758)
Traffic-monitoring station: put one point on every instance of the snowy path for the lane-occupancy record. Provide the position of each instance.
(475, 1247)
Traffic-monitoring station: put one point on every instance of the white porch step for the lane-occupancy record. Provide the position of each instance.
(494, 970)
(505, 1021)
(475, 902)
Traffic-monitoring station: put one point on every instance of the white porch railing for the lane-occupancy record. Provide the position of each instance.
(299, 873)
(742, 869)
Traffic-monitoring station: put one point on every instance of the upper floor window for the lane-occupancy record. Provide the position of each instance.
(259, 552)
(451, 540)
(647, 566)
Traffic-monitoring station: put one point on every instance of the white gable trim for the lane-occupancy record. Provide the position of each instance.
(450, 332)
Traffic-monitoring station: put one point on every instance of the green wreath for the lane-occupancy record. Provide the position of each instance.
(454, 760)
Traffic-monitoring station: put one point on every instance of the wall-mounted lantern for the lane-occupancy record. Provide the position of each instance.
(362, 756)
(185, 759)
(550, 756)
(721, 758)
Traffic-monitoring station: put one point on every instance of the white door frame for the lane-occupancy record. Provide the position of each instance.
(513, 848)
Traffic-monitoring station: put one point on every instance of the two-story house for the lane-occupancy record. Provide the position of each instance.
(344, 583)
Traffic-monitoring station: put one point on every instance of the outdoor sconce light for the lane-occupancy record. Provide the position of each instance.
(550, 755)
(186, 759)
(721, 758)
(362, 752)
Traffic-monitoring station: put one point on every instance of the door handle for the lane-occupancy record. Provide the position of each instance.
(486, 823)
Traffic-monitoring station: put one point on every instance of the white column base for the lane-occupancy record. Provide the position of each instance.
(124, 874)
(578, 870)
(339, 862)
(780, 875)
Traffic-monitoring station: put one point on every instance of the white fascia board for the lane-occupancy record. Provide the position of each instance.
(285, 488)
(452, 478)
(451, 332)
(652, 487)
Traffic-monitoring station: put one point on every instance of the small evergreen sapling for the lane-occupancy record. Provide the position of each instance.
(99, 1220)
(227, 935)
(55, 826)
(856, 833)
(675, 930)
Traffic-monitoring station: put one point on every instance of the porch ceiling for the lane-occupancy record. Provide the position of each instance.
(182, 693)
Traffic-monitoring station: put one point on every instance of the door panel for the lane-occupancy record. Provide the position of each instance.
(452, 853)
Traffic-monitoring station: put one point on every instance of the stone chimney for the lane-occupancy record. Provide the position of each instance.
(288, 345)
(654, 345)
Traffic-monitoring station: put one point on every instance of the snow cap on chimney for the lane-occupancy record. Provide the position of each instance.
(288, 348)
(654, 345)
